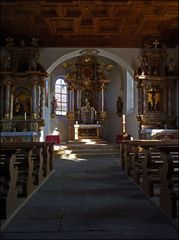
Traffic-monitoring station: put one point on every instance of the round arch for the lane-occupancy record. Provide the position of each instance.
(101, 52)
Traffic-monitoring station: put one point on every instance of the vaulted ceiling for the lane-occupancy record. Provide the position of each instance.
(100, 23)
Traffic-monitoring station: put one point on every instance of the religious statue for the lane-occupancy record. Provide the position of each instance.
(88, 113)
(119, 106)
(53, 105)
(171, 67)
(143, 68)
(18, 109)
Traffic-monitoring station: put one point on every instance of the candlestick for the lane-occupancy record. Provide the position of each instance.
(25, 117)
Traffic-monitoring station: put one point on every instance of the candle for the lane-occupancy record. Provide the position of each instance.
(25, 115)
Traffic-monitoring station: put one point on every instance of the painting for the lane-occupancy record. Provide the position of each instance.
(22, 102)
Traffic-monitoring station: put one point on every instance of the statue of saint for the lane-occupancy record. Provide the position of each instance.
(171, 67)
(54, 105)
(119, 106)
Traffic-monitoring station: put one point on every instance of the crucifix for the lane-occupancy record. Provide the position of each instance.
(155, 43)
(153, 100)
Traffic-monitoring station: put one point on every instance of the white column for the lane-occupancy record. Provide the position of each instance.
(102, 97)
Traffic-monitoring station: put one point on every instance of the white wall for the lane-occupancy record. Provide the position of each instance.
(113, 124)
(124, 60)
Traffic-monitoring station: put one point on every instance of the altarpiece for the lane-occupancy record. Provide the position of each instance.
(156, 80)
(87, 80)
(22, 88)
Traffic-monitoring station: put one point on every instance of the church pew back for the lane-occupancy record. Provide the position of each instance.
(27, 163)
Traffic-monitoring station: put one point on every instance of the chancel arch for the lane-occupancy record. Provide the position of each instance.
(101, 53)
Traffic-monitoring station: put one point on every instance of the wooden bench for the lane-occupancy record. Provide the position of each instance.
(169, 178)
(152, 162)
(141, 161)
(8, 179)
(125, 156)
(140, 158)
(28, 163)
(160, 166)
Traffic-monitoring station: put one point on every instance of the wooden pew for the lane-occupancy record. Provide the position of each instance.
(32, 161)
(141, 160)
(125, 156)
(25, 164)
(169, 177)
(8, 180)
(152, 163)
(146, 165)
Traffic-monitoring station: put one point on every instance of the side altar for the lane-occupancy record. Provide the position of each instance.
(157, 81)
(22, 90)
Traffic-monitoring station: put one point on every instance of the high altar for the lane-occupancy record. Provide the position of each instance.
(87, 81)
(22, 92)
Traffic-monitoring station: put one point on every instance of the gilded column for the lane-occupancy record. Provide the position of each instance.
(2, 97)
(72, 99)
(41, 99)
(34, 99)
(78, 104)
(102, 97)
(11, 102)
(140, 98)
(69, 99)
(7, 99)
(70, 113)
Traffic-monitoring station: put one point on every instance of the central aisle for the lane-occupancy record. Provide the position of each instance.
(89, 198)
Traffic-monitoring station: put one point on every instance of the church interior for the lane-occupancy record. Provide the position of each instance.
(92, 83)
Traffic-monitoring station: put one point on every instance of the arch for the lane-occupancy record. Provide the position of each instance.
(101, 52)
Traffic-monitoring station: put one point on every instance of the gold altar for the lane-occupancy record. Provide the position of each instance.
(22, 88)
(156, 84)
(87, 81)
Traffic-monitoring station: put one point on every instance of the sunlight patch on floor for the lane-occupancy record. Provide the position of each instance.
(88, 141)
(59, 147)
(72, 157)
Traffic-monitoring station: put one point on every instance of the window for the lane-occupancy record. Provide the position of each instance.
(130, 93)
(61, 96)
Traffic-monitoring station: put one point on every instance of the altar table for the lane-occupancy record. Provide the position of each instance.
(87, 131)
(19, 136)
(53, 138)
(159, 133)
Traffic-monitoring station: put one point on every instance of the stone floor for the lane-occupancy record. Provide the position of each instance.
(89, 198)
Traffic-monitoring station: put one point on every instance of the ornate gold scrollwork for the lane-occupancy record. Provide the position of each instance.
(102, 116)
(70, 115)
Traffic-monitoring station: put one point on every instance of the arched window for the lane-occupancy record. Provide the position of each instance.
(61, 96)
